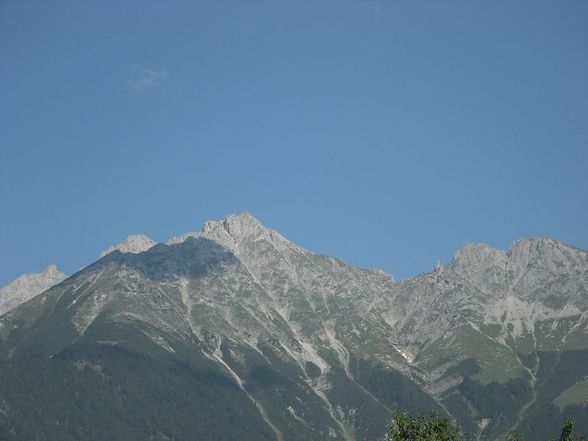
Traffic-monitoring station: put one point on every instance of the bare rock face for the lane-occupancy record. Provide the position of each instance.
(507, 298)
(27, 286)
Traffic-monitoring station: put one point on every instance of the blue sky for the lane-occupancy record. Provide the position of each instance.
(387, 134)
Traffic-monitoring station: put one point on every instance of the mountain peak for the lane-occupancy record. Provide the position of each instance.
(544, 252)
(236, 225)
(231, 231)
(236, 228)
(478, 252)
(27, 286)
(51, 269)
(135, 243)
(242, 220)
(534, 245)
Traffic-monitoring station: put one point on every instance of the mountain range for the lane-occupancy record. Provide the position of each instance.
(235, 333)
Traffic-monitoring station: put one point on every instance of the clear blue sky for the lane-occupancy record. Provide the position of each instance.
(387, 134)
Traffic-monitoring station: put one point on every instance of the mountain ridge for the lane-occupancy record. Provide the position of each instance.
(350, 343)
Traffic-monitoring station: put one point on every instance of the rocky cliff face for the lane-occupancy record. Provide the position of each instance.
(305, 345)
(505, 296)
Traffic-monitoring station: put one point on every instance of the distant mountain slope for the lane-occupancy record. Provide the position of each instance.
(234, 332)
(27, 286)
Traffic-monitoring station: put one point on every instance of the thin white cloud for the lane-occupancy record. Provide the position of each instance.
(144, 77)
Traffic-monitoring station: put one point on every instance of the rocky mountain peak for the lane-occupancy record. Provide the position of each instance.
(27, 286)
(526, 251)
(51, 269)
(243, 223)
(476, 258)
(238, 226)
(233, 231)
(135, 243)
(538, 252)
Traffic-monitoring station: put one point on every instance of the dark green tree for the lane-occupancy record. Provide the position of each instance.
(434, 427)
(566, 432)
(428, 427)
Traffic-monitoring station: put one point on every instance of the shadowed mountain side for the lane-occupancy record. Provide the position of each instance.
(191, 258)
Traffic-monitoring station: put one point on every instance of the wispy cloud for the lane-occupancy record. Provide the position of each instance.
(144, 77)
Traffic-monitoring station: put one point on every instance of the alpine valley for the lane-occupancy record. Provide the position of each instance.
(236, 333)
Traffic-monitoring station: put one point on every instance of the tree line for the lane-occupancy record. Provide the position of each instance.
(435, 427)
